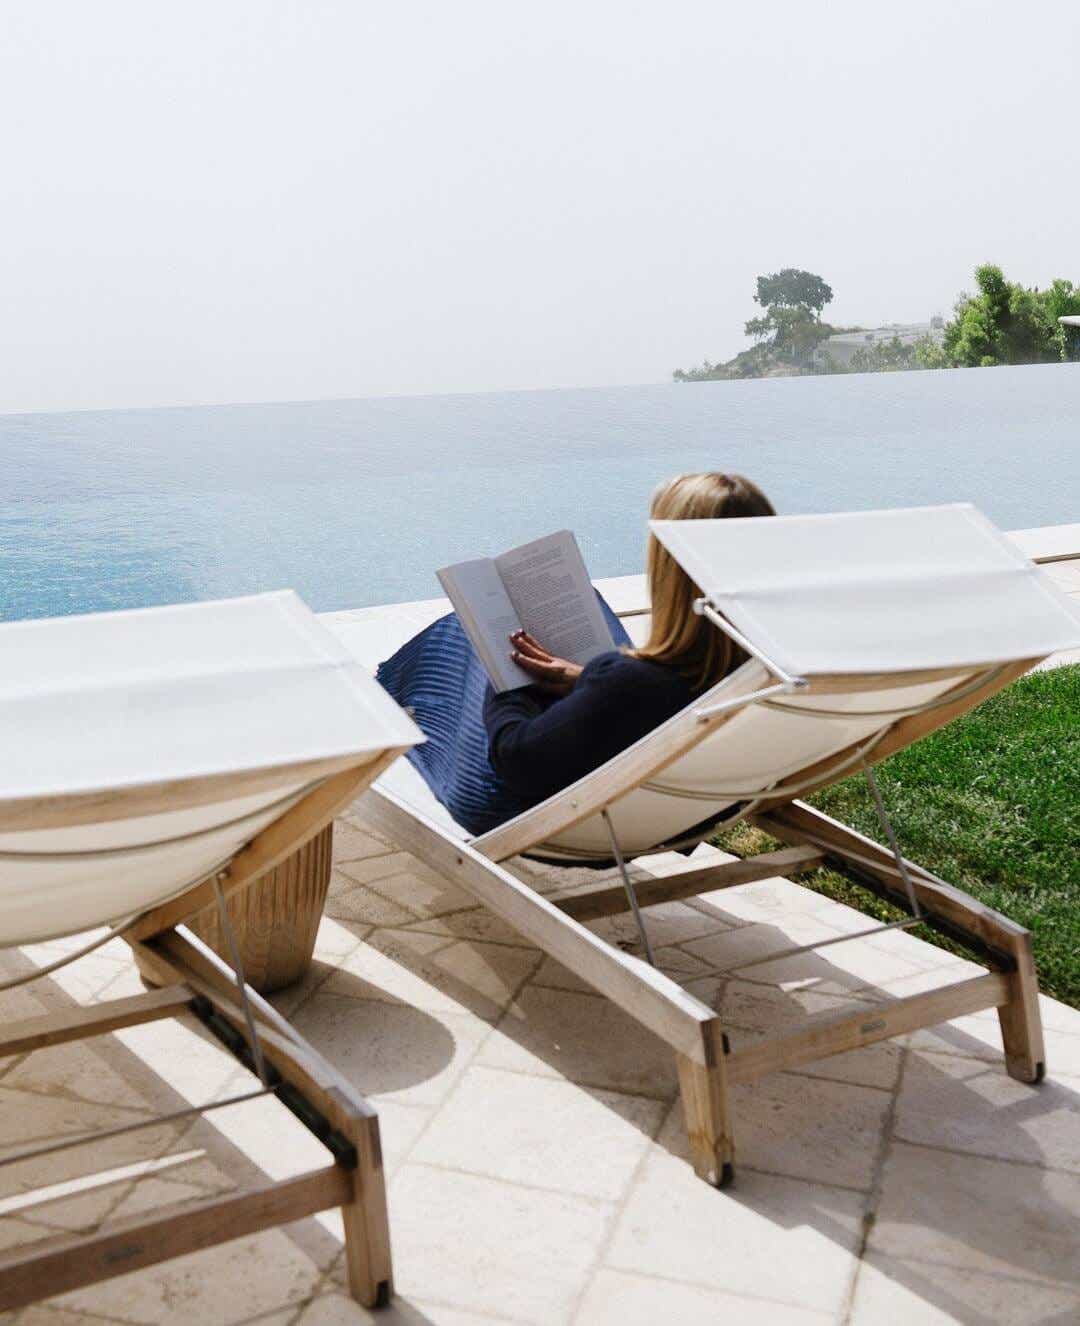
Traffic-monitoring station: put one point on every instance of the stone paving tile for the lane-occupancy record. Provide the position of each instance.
(80, 1070)
(980, 1239)
(840, 968)
(335, 1309)
(354, 904)
(352, 843)
(805, 1128)
(353, 815)
(434, 973)
(553, 975)
(917, 1294)
(475, 924)
(174, 1062)
(585, 1038)
(404, 880)
(1057, 1016)
(769, 900)
(666, 923)
(391, 1051)
(31, 1120)
(224, 1285)
(555, 880)
(616, 1298)
(796, 1240)
(83, 980)
(542, 1132)
(46, 1314)
(488, 1247)
(972, 1106)
(671, 961)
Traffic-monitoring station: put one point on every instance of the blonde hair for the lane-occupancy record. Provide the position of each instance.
(678, 637)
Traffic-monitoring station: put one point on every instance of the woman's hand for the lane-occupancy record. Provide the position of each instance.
(555, 675)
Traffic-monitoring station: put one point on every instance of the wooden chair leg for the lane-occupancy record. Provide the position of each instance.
(1021, 1019)
(367, 1227)
(707, 1109)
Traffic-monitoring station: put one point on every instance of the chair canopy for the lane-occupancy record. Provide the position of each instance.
(875, 591)
(143, 749)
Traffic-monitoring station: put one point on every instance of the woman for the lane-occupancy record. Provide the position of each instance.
(488, 757)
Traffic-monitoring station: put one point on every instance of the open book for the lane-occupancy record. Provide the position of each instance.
(541, 587)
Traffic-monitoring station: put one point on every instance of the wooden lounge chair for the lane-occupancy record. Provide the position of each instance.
(865, 631)
(156, 762)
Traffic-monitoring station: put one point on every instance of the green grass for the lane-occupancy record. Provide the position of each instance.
(990, 803)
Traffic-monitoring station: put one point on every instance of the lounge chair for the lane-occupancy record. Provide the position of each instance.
(156, 762)
(865, 632)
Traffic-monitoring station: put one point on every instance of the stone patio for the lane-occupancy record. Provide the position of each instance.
(536, 1151)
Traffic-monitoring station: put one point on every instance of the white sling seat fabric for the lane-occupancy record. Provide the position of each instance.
(141, 750)
(758, 748)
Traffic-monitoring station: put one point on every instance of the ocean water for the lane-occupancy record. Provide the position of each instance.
(358, 501)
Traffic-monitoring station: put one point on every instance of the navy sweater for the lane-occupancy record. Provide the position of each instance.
(538, 746)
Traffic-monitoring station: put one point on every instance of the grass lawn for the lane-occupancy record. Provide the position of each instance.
(990, 803)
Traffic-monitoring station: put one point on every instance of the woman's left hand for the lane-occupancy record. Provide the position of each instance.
(552, 674)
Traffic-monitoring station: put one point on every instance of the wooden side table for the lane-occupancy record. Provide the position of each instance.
(276, 918)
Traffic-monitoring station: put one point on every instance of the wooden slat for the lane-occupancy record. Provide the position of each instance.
(706, 1103)
(173, 956)
(364, 1211)
(57, 1266)
(98, 1019)
(266, 849)
(642, 991)
(800, 823)
(829, 1033)
(590, 904)
(108, 804)
(1021, 1018)
(367, 1227)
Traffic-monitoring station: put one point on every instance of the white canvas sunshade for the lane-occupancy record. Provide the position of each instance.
(875, 591)
(142, 749)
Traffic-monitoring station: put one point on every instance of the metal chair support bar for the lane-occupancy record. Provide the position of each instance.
(631, 893)
(704, 607)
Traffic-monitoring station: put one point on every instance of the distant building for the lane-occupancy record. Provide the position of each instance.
(843, 345)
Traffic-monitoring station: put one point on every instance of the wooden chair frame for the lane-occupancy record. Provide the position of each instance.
(707, 1065)
(193, 980)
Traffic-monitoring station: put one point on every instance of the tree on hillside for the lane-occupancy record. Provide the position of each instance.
(793, 301)
(786, 334)
(793, 288)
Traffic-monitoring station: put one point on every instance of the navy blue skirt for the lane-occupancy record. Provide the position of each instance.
(438, 676)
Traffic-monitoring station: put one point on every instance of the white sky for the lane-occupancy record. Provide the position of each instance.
(284, 199)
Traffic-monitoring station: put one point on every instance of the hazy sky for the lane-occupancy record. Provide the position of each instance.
(266, 199)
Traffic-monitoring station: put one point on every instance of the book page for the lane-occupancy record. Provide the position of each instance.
(481, 602)
(549, 586)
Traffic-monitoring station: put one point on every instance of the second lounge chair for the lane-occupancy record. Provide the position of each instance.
(865, 632)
